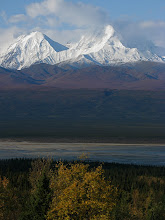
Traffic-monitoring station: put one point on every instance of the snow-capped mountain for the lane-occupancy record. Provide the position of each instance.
(101, 48)
(29, 49)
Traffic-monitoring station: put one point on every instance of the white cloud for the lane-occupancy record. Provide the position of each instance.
(61, 20)
(139, 33)
(152, 24)
(4, 16)
(17, 18)
(76, 14)
(154, 30)
(65, 20)
(62, 36)
(7, 36)
(65, 36)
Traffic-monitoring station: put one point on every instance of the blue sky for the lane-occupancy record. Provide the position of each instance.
(64, 20)
(141, 9)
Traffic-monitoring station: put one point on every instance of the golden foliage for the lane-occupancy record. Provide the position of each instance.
(4, 182)
(3, 185)
(80, 193)
(3, 188)
(83, 156)
(151, 180)
(9, 208)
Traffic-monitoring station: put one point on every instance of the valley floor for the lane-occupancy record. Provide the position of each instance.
(144, 154)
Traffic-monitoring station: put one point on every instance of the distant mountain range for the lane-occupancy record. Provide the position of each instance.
(100, 48)
(98, 60)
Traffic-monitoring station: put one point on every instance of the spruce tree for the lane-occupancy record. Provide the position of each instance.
(38, 204)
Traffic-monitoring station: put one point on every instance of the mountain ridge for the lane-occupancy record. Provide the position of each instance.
(99, 48)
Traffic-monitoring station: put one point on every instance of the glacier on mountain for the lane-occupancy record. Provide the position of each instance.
(101, 48)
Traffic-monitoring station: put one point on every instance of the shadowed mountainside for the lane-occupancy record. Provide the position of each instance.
(137, 76)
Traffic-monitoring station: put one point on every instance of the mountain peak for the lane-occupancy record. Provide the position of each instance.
(95, 41)
(109, 30)
(37, 37)
(30, 49)
(102, 47)
(36, 34)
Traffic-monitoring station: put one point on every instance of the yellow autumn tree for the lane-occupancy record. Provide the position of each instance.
(9, 208)
(3, 186)
(81, 193)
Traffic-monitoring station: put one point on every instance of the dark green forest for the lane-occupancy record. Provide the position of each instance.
(45, 189)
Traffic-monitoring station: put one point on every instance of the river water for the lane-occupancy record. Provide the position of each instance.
(145, 154)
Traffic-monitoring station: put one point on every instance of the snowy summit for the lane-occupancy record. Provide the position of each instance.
(101, 48)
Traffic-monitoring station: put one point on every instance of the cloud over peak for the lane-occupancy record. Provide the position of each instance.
(67, 12)
(67, 20)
